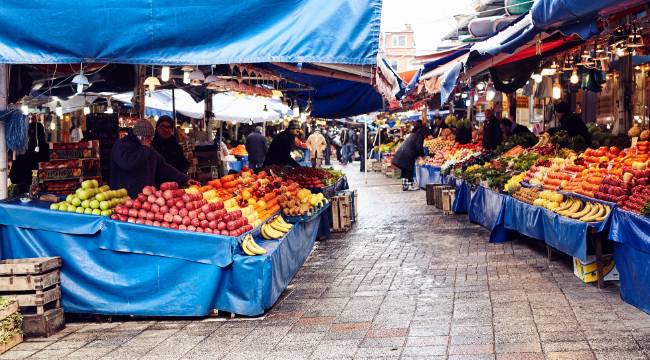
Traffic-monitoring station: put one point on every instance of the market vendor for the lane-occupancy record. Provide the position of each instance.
(411, 149)
(526, 137)
(280, 150)
(167, 145)
(256, 147)
(438, 126)
(570, 122)
(135, 163)
(491, 131)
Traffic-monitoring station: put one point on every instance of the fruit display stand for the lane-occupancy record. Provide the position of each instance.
(118, 268)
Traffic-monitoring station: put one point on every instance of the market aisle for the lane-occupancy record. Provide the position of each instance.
(406, 282)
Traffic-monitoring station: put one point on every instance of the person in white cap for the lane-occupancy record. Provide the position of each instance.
(135, 164)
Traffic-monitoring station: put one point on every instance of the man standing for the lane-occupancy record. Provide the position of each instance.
(135, 164)
(167, 145)
(491, 131)
(570, 122)
(347, 141)
(256, 148)
(280, 150)
(316, 144)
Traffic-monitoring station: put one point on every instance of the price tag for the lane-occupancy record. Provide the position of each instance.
(634, 141)
(37, 149)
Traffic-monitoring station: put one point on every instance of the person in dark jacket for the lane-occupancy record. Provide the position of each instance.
(408, 152)
(491, 131)
(570, 122)
(280, 150)
(256, 148)
(508, 128)
(438, 125)
(38, 150)
(167, 145)
(135, 164)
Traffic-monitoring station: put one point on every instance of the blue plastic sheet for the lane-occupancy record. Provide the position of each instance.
(37, 215)
(564, 234)
(486, 209)
(632, 255)
(253, 283)
(463, 197)
(199, 32)
(427, 174)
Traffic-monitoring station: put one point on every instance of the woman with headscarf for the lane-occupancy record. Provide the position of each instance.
(38, 150)
(167, 145)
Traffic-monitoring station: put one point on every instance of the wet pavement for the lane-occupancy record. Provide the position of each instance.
(407, 282)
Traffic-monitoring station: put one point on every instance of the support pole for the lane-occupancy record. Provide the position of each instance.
(174, 107)
(4, 95)
(138, 90)
(365, 151)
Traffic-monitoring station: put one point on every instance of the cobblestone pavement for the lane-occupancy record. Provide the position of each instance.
(407, 282)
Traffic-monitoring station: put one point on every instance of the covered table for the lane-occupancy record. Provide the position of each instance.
(427, 174)
(463, 196)
(486, 208)
(118, 268)
(632, 256)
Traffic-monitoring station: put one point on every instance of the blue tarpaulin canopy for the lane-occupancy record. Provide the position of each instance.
(194, 32)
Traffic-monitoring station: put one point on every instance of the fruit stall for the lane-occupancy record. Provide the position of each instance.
(573, 199)
(232, 245)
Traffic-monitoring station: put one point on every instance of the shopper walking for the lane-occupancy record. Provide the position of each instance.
(408, 152)
(167, 145)
(256, 147)
(316, 144)
(347, 141)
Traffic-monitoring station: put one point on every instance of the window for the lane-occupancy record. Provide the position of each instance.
(399, 40)
(393, 64)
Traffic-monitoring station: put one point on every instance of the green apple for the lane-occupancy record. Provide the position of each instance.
(88, 211)
(95, 183)
(80, 210)
(123, 192)
(71, 208)
(104, 188)
(69, 198)
(79, 190)
(87, 184)
(76, 201)
(107, 212)
(85, 204)
(94, 204)
(103, 205)
(97, 212)
(100, 197)
(54, 207)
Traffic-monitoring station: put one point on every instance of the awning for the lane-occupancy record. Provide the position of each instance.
(197, 32)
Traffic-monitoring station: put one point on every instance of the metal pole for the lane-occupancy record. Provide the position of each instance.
(4, 94)
(365, 151)
(174, 108)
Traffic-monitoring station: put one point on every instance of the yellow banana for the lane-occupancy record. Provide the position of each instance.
(604, 216)
(278, 227)
(273, 233)
(583, 212)
(264, 234)
(596, 209)
(280, 219)
(254, 247)
(565, 205)
(245, 248)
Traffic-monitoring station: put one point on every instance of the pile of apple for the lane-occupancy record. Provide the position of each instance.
(174, 208)
(92, 199)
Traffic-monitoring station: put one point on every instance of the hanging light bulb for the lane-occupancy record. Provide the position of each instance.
(557, 89)
(250, 122)
(164, 73)
(81, 80)
(59, 109)
(109, 108)
(186, 73)
(490, 94)
(86, 109)
(296, 111)
(480, 86)
(52, 125)
(187, 130)
(537, 78)
(574, 77)
(24, 109)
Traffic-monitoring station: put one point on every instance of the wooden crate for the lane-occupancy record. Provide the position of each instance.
(9, 310)
(437, 195)
(448, 201)
(430, 193)
(40, 299)
(15, 283)
(44, 325)
(15, 340)
(344, 210)
(29, 266)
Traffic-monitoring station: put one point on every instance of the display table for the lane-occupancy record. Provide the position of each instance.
(463, 196)
(486, 208)
(567, 235)
(427, 174)
(632, 256)
(118, 268)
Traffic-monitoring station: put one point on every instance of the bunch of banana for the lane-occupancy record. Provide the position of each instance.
(250, 247)
(569, 207)
(598, 212)
(275, 228)
(317, 200)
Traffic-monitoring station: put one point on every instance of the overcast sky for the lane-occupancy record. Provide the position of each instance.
(431, 19)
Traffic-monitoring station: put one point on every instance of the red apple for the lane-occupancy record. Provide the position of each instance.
(199, 229)
(151, 216)
(168, 194)
(174, 226)
(233, 233)
(221, 225)
(219, 205)
(196, 222)
(183, 212)
(212, 206)
(133, 213)
(115, 217)
(227, 217)
(213, 225)
(151, 198)
(205, 223)
(156, 223)
(141, 197)
(124, 218)
(170, 185)
(160, 201)
(182, 227)
(164, 209)
(191, 228)
(207, 230)
(146, 205)
(179, 204)
(142, 214)
(168, 217)
(170, 202)
(148, 222)
(210, 216)
(192, 214)
(140, 221)
(206, 208)
(179, 193)
(137, 204)
(165, 225)
(224, 232)
(186, 198)
(173, 210)
(159, 216)
(231, 225)
(187, 221)
(148, 190)
(158, 193)
(190, 206)
(178, 219)
(155, 208)
(201, 216)
(131, 220)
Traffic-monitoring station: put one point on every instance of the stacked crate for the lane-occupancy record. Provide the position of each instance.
(69, 165)
(344, 210)
(10, 324)
(34, 283)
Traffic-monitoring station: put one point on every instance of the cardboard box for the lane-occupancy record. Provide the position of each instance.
(588, 271)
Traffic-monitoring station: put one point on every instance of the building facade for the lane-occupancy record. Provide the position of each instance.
(398, 48)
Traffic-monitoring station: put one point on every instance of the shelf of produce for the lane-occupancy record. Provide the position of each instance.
(252, 284)
(632, 256)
